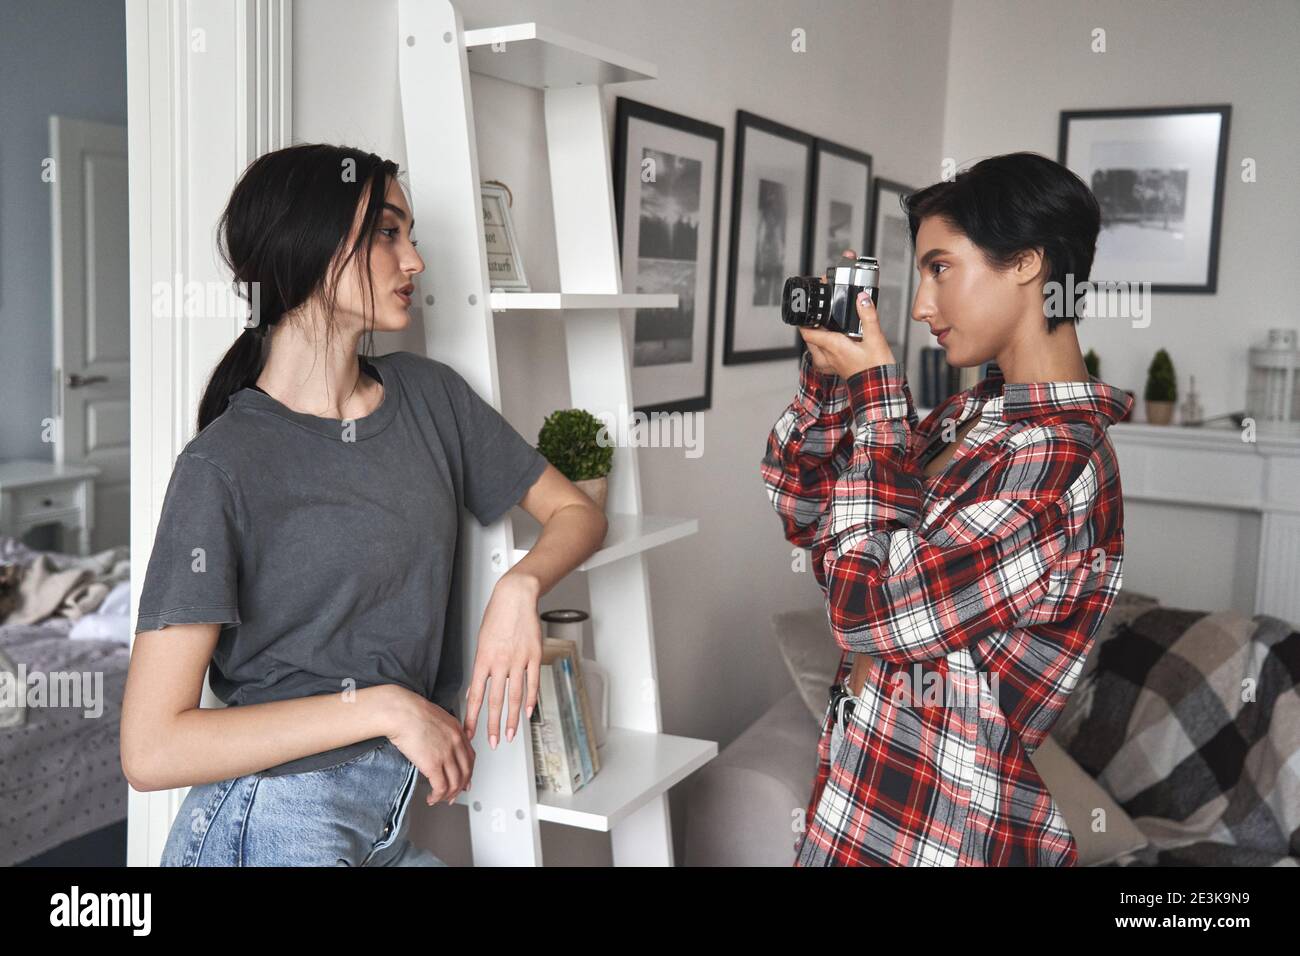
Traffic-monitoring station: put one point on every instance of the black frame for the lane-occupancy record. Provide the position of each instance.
(869, 199)
(1224, 110)
(744, 119)
(625, 110)
(879, 184)
(869, 194)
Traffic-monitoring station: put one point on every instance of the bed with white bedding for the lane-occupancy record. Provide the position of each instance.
(61, 782)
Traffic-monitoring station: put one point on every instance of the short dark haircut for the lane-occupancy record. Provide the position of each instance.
(1011, 203)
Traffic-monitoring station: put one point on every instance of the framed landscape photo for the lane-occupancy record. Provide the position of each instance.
(667, 200)
(1158, 174)
(891, 245)
(505, 267)
(771, 201)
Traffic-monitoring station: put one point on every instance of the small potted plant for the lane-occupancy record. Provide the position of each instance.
(1161, 390)
(569, 440)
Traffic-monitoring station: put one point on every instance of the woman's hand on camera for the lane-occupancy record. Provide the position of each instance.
(433, 740)
(836, 352)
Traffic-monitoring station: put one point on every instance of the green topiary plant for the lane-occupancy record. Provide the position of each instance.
(1093, 363)
(568, 440)
(1162, 386)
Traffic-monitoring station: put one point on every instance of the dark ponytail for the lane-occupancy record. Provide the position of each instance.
(287, 220)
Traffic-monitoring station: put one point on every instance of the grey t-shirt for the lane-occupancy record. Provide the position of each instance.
(326, 548)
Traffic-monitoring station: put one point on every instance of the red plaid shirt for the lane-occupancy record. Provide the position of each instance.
(974, 594)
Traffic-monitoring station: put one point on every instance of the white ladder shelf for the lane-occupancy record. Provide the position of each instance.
(628, 796)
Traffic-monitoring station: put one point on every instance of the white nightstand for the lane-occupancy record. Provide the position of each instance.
(35, 493)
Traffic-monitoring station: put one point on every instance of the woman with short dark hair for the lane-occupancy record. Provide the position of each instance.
(967, 560)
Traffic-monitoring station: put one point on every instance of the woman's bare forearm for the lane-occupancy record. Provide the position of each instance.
(208, 744)
(573, 534)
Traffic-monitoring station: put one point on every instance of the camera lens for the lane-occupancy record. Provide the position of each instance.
(801, 301)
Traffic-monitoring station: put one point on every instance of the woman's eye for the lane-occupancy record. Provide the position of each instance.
(933, 265)
(392, 231)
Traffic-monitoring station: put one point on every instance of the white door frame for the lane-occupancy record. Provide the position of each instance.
(209, 88)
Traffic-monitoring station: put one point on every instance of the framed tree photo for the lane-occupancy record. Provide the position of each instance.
(1158, 176)
(667, 200)
(771, 201)
(891, 245)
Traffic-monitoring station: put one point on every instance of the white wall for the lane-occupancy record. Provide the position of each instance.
(714, 593)
(1018, 63)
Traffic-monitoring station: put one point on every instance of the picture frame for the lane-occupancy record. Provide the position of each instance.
(505, 265)
(891, 245)
(771, 202)
(1158, 173)
(841, 206)
(668, 181)
(842, 202)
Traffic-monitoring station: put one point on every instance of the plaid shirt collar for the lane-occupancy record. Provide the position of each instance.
(1010, 401)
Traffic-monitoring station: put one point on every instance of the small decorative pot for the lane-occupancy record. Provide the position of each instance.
(1160, 413)
(596, 489)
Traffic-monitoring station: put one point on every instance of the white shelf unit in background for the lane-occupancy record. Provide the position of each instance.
(628, 797)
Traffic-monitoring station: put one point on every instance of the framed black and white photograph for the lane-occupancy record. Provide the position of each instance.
(841, 207)
(891, 245)
(505, 267)
(1158, 175)
(771, 201)
(667, 198)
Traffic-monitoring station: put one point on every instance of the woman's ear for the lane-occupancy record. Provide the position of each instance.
(1030, 265)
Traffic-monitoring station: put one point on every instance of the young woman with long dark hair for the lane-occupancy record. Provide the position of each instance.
(304, 553)
(966, 560)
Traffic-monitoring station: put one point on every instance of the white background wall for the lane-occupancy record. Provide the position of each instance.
(1014, 65)
(1018, 63)
(911, 83)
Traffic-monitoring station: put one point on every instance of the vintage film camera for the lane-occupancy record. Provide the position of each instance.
(831, 302)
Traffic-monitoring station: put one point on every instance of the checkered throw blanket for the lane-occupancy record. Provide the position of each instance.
(1191, 720)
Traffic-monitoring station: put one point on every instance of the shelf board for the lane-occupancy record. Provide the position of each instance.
(636, 766)
(556, 301)
(627, 535)
(537, 56)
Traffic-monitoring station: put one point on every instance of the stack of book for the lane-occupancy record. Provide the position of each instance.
(565, 756)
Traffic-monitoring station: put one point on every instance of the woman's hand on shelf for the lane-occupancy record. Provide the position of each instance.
(509, 655)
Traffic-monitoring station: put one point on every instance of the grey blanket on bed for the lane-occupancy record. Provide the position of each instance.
(1191, 720)
(60, 770)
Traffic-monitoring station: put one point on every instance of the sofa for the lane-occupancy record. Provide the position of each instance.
(1178, 746)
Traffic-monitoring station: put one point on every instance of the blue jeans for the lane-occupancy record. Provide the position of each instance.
(351, 814)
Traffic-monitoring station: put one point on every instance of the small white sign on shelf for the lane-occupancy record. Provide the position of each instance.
(505, 267)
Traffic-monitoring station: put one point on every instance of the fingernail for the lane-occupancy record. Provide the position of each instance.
(528, 711)
(510, 734)
(492, 741)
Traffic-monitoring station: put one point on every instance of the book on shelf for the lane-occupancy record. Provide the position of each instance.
(588, 724)
(553, 755)
(564, 754)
